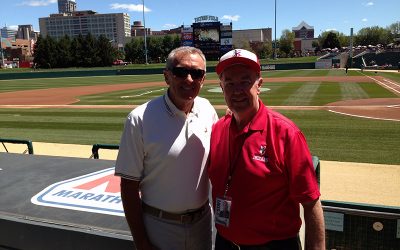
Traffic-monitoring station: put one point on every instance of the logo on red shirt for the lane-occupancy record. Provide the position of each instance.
(262, 156)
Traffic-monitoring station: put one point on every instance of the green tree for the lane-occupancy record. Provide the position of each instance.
(286, 43)
(45, 53)
(343, 39)
(168, 45)
(40, 52)
(177, 42)
(262, 49)
(78, 51)
(155, 48)
(373, 36)
(64, 58)
(90, 56)
(105, 51)
(316, 46)
(331, 41)
(134, 50)
(394, 29)
(52, 48)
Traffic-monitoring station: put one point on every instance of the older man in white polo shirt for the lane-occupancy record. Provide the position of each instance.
(162, 157)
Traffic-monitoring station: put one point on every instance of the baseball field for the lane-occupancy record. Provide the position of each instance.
(351, 121)
(352, 117)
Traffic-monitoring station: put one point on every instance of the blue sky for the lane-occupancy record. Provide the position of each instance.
(340, 15)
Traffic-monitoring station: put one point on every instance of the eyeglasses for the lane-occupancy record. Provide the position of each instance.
(182, 72)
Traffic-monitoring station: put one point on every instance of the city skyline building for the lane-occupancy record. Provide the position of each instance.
(303, 38)
(26, 32)
(115, 26)
(66, 6)
(6, 32)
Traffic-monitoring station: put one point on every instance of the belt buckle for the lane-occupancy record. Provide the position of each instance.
(187, 218)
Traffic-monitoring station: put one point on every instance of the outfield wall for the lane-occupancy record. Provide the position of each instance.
(56, 74)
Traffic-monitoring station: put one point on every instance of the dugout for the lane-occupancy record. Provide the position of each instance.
(361, 226)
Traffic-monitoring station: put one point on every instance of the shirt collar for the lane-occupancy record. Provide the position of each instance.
(257, 123)
(173, 110)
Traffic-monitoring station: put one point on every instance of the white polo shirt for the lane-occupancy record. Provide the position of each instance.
(167, 152)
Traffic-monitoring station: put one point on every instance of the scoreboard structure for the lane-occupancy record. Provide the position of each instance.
(209, 35)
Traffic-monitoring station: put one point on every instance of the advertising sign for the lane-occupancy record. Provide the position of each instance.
(97, 192)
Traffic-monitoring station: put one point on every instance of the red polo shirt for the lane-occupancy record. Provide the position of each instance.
(272, 172)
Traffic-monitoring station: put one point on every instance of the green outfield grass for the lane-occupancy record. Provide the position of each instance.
(277, 94)
(330, 136)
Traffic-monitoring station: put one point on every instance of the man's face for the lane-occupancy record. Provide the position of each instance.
(185, 79)
(241, 87)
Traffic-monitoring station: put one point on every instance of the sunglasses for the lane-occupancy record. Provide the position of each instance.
(181, 72)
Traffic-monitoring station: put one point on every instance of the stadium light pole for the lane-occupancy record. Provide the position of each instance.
(145, 36)
(1, 48)
(275, 34)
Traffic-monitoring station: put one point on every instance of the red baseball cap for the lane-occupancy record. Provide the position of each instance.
(238, 56)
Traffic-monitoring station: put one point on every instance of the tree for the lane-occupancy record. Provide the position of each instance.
(168, 45)
(105, 52)
(63, 54)
(155, 50)
(343, 39)
(45, 54)
(286, 42)
(134, 50)
(262, 49)
(177, 41)
(77, 51)
(373, 36)
(40, 52)
(52, 49)
(90, 56)
(394, 29)
(316, 46)
(331, 41)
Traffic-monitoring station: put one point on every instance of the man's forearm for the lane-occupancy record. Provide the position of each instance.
(315, 226)
(133, 213)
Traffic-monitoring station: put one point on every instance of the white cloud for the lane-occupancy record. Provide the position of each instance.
(331, 29)
(364, 20)
(38, 3)
(230, 18)
(130, 7)
(369, 4)
(170, 26)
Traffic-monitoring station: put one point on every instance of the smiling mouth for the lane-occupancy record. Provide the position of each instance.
(239, 100)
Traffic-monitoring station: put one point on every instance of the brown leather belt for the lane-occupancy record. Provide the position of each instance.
(185, 218)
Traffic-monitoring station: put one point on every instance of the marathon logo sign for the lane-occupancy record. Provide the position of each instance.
(97, 192)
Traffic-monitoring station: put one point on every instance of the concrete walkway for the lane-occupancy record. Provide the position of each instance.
(340, 181)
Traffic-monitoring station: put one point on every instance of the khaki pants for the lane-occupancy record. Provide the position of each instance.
(172, 235)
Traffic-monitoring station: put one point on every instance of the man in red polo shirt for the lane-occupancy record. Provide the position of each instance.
(260, 168)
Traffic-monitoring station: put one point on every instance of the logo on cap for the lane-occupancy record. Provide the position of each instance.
(236, 53)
